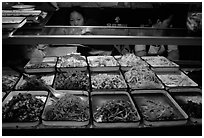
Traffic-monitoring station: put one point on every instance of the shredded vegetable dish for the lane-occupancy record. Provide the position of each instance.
(8, 82)
(72, 61)
(101, 61)
(107, 81)
(23, 107)
(142, 77)
(116, 111)
(69, 108)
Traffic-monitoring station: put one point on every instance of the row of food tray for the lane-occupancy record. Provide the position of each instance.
(99, 99)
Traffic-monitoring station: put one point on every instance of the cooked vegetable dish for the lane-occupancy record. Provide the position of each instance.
(8, 82)
(39, 65)
(107, 81)
(192, 105)
(142, 77)
(72, 61)
(33, 83)
(23, 107)
(102, 61)
(116, 111)
(69, 108)
(153, 110)
(131, 60)
(73, 79)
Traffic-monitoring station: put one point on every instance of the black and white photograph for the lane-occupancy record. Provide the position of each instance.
(101, 68)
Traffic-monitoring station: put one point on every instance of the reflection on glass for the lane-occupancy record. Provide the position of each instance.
(103, 30)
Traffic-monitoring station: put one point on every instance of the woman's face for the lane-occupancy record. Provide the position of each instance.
(76, 19)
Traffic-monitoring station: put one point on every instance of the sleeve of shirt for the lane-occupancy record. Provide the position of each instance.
(140, 48)
(172, 47)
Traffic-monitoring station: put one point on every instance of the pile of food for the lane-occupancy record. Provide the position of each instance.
(192, 105)
(23, 107)
(32, 83)
(107, 81)
(159, 61)
(155, 110)
(116, 111)
(39, 65)
(8, 82)
(142, 77)
(69, 108)
(173, 80)
(72, 61)
(72, 80)
(101, 61)
(130, 60)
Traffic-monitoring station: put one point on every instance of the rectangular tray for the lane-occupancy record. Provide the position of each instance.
(105, 67)
(158, 67)
(94, 88)
(23, 124)
(49, 61)
(13, 22)
(139, 95)
(132, 60)
(48, 78)
(144, 84)
(83, 95)
(181, 97)
(99, 98)
(181, 80)
(69, 80)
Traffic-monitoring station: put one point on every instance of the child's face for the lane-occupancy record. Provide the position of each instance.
(76, 19)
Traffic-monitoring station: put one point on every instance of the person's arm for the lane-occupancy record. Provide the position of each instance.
(173, 52)
(140, 50)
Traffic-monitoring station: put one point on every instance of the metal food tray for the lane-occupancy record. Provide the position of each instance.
(139, 95)
(93, 73)
(13, 22)
(165, 78)
(8, 71)
(161, 68)
(127, 67)
(102, 68)
(56, 80)
(71, 66)
(49, 69)
(83, 95)
(48, 78)
(98, 98)
(180, 97)
(23, 124)
(160, 85)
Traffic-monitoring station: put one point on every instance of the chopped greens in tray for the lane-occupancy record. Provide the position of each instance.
(116, 111)
(72, 79)
(72, 61)
(101, 61)
(23, 107)
(69, 108)
(142, 77)
(8, 82)
(192, 105)
(129, 60)
(107, 81)
(39, 65)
